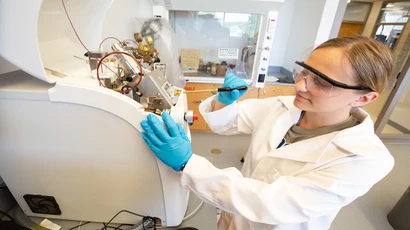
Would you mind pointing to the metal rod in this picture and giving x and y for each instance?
(202, 90)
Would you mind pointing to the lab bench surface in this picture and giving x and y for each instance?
(205, 218)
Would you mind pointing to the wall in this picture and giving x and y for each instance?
(314, 22)
(339, 12)
(305, 24)
(330, 21)
(311, 21)
(281, 37)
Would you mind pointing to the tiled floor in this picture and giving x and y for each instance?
(366, 213)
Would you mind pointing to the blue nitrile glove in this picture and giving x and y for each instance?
(231, 81)
(173, 146)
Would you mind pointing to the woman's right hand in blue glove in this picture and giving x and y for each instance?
(171, 146)
(231, 81)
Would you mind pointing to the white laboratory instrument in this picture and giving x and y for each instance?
(70, 148)
(263, 49)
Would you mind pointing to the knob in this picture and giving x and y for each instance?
(190, 117)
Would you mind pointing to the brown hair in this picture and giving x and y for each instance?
(372, 61)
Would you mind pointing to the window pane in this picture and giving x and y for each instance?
(241, 24)
(396, 12)
(356, 12)
(209, 32)
(388, 34)
(394, 17)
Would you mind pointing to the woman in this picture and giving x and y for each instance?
(310, 155)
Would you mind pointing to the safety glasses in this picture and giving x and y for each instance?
(319, 84)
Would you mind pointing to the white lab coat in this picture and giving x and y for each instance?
(299, 186)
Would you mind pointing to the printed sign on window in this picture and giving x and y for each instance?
(228, 53)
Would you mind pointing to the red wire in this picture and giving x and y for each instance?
(79, 39)
(107, 39)
(139, 64)
(72, 26)
(90, 53)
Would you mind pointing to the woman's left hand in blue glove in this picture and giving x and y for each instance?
(173, 146)
(231, 81)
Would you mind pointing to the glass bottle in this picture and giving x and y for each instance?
(201, 64)
(213, 69)
(208, 69)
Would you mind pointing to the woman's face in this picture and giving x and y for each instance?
(329, 61)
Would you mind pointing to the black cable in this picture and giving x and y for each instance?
(8, 216)
(106, 226)
(121, 212)
(133, 213)
(80, 225)
(117, 227)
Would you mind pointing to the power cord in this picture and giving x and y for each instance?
(190, 214)
(193, 212)
(107, 225)
(111, 227)
(133, 213)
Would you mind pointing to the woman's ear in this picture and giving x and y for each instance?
(365, 99)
